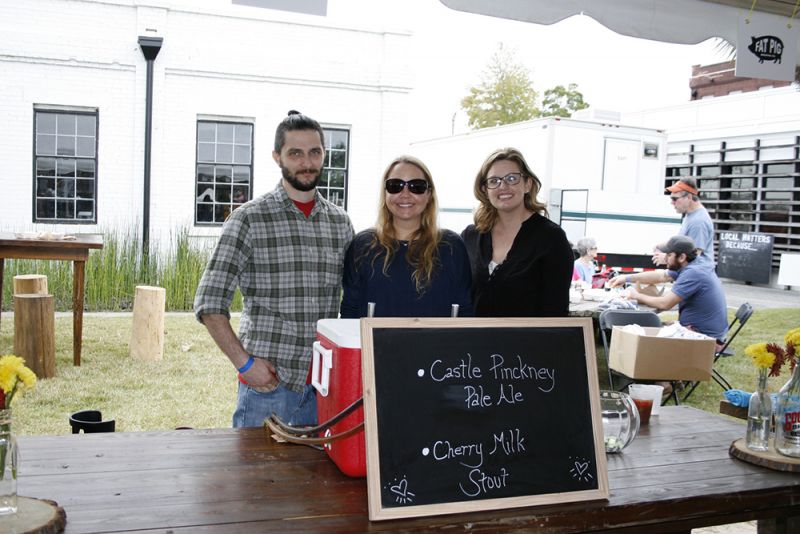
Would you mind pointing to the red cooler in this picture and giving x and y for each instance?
(336, 375)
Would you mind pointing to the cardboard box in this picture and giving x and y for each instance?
(660, 358)
(650, 289)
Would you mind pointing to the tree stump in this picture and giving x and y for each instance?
(147, 334)
(30, 284)
(34, 333)
(35, 516)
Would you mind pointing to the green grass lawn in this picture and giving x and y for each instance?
(195, 385)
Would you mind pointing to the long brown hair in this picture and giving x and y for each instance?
(421, 252)
(486, 214)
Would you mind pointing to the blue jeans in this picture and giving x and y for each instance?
(297, 409)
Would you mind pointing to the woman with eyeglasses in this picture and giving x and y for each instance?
(406, 265)
(521, 261)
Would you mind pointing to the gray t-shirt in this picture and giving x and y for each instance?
(698, 225)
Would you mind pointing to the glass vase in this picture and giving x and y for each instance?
(787, 417)
(759, 416)
(620, 420)
(8, 465)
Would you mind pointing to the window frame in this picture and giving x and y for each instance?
(325, 188)
(75, 111)
(216, 121)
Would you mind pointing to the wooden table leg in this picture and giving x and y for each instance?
(77, 309)
(2, 267)
(779, 525)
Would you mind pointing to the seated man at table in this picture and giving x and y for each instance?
(696, 289)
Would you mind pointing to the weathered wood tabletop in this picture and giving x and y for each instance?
(676, 475)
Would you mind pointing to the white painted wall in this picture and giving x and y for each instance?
(758, 114)
(218, 59)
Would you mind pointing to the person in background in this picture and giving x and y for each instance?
(585, 264)
(696, 289)
(284, 250)
(696, 224)
(521, 261)
(406, 265)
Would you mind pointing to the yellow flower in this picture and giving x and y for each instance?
(27, 376)
(793, 337)
(762, 358)
(14, 378)
(9, 366)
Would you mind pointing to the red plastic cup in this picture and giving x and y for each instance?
(645, 406)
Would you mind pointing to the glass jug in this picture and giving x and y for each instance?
(620, 420)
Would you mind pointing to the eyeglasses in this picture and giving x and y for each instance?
(675, 199)
(512, 178)
(417, 186)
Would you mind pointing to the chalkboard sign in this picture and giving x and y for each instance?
(745, 256)
(475, 414)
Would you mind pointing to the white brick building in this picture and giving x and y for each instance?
(72, 102)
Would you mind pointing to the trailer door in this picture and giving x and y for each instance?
(621, 165)
(572, 211)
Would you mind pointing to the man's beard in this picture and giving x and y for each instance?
(297, 184)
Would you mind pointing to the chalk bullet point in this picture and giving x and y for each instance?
(426, 451)
(421, 373)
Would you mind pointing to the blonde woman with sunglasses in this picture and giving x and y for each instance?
(521, 261)
(406, 265)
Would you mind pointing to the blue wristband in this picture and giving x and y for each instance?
(248, 364)
(628, 278)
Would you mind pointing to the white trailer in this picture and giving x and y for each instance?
(600, 180)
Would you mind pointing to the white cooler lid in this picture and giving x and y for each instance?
(344, 333)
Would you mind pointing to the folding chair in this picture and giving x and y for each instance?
(612, 318)
(737, 323)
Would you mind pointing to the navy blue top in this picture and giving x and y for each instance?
(703, 307)
(394, 293)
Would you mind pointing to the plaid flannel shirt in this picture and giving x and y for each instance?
(289, 270)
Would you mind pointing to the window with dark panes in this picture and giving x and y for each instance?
(224, 171)
(678, 171)
(742, 169)
(333, 182)
(65, 167)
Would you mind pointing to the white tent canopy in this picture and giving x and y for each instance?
(673, 21)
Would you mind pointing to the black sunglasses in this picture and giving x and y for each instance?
(395, 185)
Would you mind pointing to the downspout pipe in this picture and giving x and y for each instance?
(150, 48)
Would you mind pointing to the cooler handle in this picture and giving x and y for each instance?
(321, 363)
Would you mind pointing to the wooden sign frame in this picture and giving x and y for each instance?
(376, 487)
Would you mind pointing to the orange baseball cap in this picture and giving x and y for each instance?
(682, 186)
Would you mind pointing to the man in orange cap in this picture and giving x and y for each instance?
(696, 223)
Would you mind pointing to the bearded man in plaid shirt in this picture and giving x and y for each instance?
(285, 252)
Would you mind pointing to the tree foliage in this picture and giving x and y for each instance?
(562, 102)
(506, 95)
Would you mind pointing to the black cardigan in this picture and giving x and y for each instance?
(534, 279)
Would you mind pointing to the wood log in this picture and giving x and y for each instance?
(147, 334)
(34, 333)
(30, 284)
(770, 458)
(35, 516)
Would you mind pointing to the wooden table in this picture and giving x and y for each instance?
(675, 476)
(76, 250)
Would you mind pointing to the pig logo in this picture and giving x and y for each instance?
(766, 48)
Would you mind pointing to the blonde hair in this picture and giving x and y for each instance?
(423, 243)
(486, 214)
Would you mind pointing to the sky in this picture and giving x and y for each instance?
(450, 49)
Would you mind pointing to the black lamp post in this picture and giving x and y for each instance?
(150, 47)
